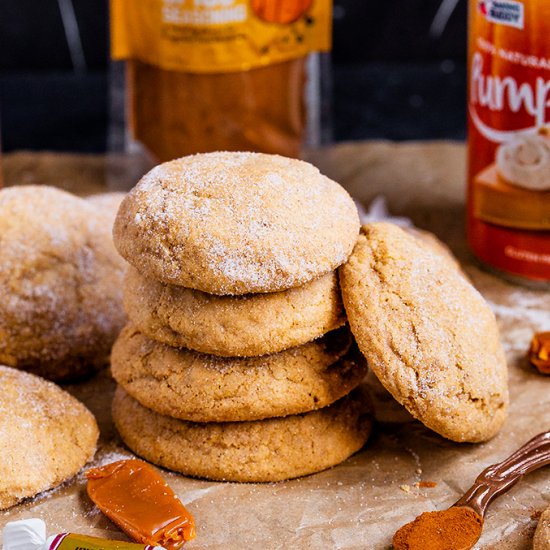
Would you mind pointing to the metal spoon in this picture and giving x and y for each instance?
(490, 484)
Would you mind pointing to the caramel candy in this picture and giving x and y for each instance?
(539, 353)
(134, 496)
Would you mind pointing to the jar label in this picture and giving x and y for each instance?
(509, 135)
(214, 36)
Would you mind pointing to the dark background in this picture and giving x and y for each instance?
(398, 71)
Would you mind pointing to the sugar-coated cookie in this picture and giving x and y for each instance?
(427, 334)
(265, 450)
(236, 223)
(248, 325)
(46, 435)
(204, 388)
(60, 283)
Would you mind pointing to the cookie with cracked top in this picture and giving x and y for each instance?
(194, 386)
(274, 449)
(46, 435)
(60, 283)
(233, 326)
(427, 333)
(236, 223)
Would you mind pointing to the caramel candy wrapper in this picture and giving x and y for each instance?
(30, 534)
(134, 496)
(539, 353)
(71, 541)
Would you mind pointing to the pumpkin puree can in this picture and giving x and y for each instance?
(509, 137)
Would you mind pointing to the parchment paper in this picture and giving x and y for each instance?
(360, 503)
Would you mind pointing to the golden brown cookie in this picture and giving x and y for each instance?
(427, 334)
(60, 283)
(437, 246)
(265, 450)
(231, 326)
(541, 540)
(204, 388)
(236, 223)
(46, 435)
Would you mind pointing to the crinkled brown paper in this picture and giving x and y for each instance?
(360, 503)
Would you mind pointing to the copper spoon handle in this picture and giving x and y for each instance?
(498, 478)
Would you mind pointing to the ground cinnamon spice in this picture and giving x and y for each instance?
(457, 528)
(178, 113)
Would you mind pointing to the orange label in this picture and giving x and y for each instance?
(509, 135)
(209, 36)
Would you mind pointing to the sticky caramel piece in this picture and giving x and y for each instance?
(134, 496)
(539, 353)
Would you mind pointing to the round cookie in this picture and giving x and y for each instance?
(265, 450)
(438, 247)
(46, 435)
(427, 334)
(541, 540)
(233, 326)
(236, 223)
(60, 283)
(204, 388)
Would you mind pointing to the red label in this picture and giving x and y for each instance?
(509, 135)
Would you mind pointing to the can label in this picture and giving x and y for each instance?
(509, 135)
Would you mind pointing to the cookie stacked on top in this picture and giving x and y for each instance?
(237, 363)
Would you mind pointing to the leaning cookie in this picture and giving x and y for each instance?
(427, 334)
(60, 283)
(236, 223)
(204, 388)
(230, 326)
(438, 247)
(46, 436)
(274, 449)
(541, 540)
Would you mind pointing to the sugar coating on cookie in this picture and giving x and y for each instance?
(60, 283)
(236, 223)
(274, 449)
(426, 333)
(247, 325)
(204, 388)
(46, 435)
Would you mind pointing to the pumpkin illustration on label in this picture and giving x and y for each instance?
(280, 11)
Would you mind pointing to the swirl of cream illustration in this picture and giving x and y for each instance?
(525, 161)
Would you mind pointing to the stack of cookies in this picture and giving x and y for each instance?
(237, 363)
